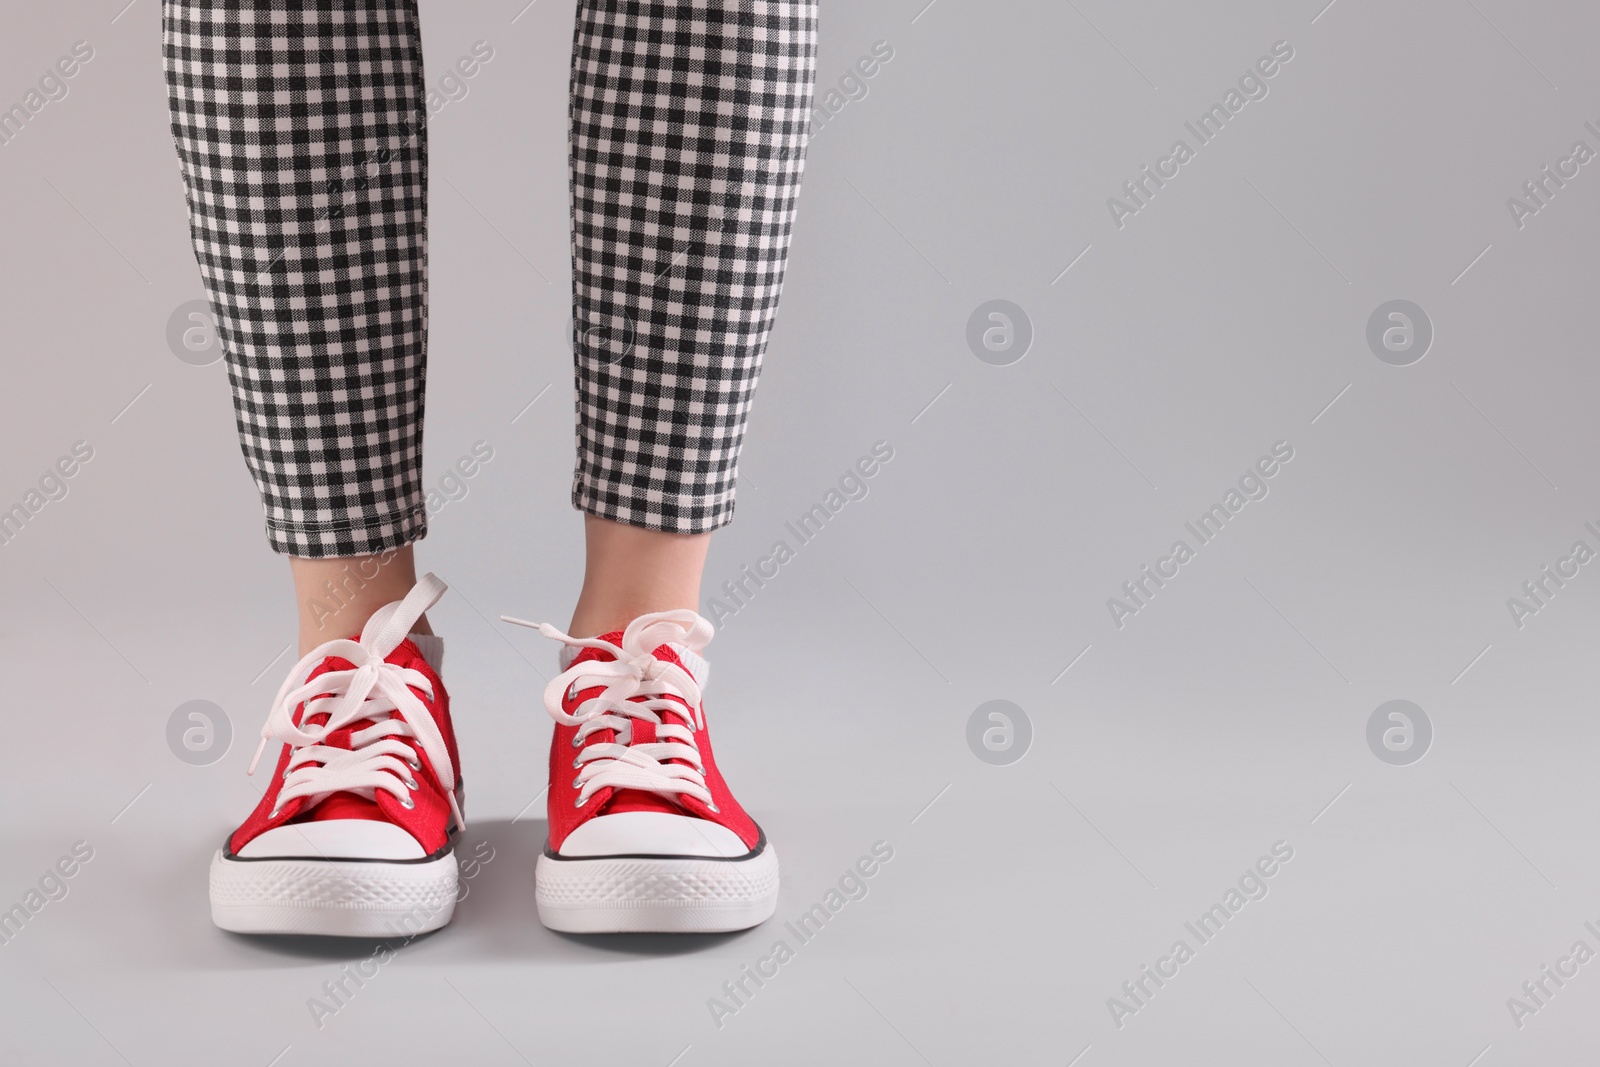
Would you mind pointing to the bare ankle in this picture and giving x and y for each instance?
(631, 571)
(335, 596)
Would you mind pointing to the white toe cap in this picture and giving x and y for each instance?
(335, 839)
(652, 833)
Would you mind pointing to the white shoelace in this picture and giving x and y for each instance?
(635, 672)
(375, 689)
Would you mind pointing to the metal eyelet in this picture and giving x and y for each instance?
(580, 803)
(577, 764)
(714, 809)
(411, 783)
(414, 763)
(408, 803)
(575, 742)
(576, 784)
(275, 813)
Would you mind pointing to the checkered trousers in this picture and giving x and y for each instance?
(689, 123)
(301, 134)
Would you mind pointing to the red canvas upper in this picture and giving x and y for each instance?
(428, 821)
(566, 816)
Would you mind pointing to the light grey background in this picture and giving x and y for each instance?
(1229, 714)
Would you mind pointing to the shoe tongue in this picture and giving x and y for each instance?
(571, 654)
(638, 800)
(345, 806)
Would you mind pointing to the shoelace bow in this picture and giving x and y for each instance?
(375, 690)
(636, 688)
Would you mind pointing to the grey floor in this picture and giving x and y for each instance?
(1151, 367)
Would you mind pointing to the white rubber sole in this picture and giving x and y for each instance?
(366, 898)
(641, 894)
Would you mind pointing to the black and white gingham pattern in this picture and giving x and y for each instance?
(300, 137)
(689, 121)
(300, 134)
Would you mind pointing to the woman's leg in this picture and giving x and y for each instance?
(337, 595)
(630, 571)
(301, 139)
(299, 128)
(689, 123)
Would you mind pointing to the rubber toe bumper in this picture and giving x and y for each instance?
(348, 898)
(674, 894)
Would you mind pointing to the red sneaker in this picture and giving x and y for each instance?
(354, 835)
(644, 834)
